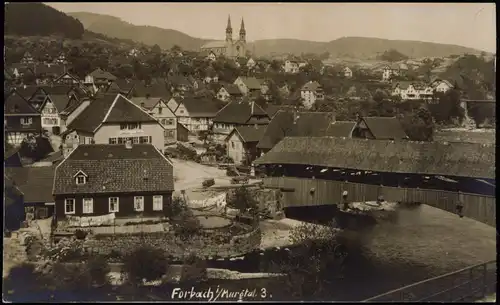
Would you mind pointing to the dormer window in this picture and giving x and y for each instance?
(80, 177)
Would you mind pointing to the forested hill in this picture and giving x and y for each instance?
(38, 19)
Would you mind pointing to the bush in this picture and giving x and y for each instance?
(311, 265)
(176, 208)
(81, 234)
(187, 226)
(194, 270)
(98, 269)
(144, 263)
(244, 201)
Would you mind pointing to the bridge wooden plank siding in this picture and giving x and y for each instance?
(478, 207)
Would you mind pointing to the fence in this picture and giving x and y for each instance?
(311, 192)
(466, 285)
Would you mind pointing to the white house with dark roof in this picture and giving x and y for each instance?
(51, 110)
(196, 114)
(236, 114)
(105, 180)
(248, 85)
(113, 119)
(241, 143)
(157, 107)
(310, 93)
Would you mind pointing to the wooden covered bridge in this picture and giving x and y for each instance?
(314, 171)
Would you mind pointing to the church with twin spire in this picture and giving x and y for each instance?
(229, 47)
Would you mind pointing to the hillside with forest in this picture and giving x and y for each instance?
(38, 19)
(150, 35)
(353, 47)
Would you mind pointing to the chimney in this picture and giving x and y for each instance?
(128, 144)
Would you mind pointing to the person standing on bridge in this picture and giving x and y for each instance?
(344, 199)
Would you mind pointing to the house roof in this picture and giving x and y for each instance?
(252, 83)
(200, 107)
(457, 159)
(99, 73)
(40, 69)
(214, 44)
(385, 128)
(306, 124)
(68, 74)
(178, 80)
(59, 101)
(27, 92)
(239, 112)
(34, 182)
(124, 84)
(72, 105)
(14, 103)
(57, 89)
(149, 103)
(311, 86)
(109, 109)
(115, 169)
(250, 133)
(340, 129)
(157, 90)
(232, 89)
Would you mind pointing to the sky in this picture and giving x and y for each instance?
(466, 24)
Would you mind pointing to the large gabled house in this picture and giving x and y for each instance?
(127, 180)
(113, 119)
(35, 185)
(74, 108)
(157, 107)
(21, 120)
(235, 114)
(51, 109)
(292, 123)
(47, 73)
(196, 114)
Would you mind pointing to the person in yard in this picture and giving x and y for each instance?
(344, 198)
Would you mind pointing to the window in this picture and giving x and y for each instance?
(138, 203)
(157, 203)
(130, 126)
(113, 204)
(69, 206)
(81, 179)
(145, 140)
(26, 121)
(159, 110)
(88, 205)
(232, 144)
(163, 121)
(113, 140)
(135, 140)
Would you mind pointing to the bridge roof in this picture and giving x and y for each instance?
(431, 158)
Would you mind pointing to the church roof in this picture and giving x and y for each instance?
(214, 44)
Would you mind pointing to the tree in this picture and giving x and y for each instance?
(392, 56)
(244, 201)
(448, 107)
(156, 49)
(418, 126)
(316, 261)
(176, 49)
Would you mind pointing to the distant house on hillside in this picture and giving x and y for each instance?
(310, 93)
(390, 70)
(67, 79)
(99, 79)
(228, 91)
(291, 66)
(248, 85)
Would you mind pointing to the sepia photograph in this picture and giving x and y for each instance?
(249, 152)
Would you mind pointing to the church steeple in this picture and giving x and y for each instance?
(243, 33)
(229, 29)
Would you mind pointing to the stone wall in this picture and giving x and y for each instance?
(205, 246)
